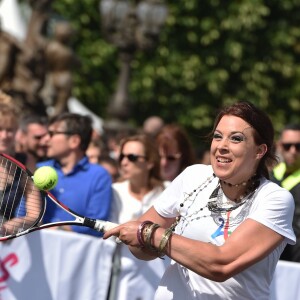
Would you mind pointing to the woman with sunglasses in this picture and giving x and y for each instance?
(231, 223)
(134, 193)
(176, 151)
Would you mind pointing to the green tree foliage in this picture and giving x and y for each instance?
(211, 53)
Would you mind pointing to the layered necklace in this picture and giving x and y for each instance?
(216, 207)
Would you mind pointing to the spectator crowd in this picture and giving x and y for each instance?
(119, 177)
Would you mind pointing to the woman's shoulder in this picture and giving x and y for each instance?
(274, 191)
(270, 186)
(193, 176)
(199, 166)
(120, 185)
(198, 170)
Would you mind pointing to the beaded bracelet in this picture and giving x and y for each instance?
(140, 233)
(165, 239)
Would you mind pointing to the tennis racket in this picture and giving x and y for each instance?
(23, 205)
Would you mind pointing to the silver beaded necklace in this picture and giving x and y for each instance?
(245, 204)
(215, 207)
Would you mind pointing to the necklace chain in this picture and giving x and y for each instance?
(252, 182)
(214, 206)
(244, 183)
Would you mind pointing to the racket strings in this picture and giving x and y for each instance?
(21, 202)
(11, 175)
(5, 186)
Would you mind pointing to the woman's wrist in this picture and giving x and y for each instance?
(154, 238)
(161, 240)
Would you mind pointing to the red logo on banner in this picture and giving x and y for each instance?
(10, 260)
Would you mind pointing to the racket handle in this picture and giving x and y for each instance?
(104, 226)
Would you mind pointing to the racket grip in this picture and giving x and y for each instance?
(104, 226)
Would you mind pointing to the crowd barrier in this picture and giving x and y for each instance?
(55, 265)
(286, 281)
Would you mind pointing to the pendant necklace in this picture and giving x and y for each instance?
(215, 207)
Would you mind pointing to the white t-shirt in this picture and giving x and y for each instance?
(137, 280)
(125, 207)
(270, 205)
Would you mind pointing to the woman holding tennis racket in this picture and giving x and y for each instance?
(224, 226)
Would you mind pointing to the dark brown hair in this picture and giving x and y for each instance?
(263, 130)
(76, 124)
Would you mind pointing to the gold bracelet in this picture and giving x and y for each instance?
(145, 232)
(140, 233)
(148, 232)
(149, 236)
(165, 239)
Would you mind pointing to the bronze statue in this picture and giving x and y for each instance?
(9, 48)
(60, 60)
(29, 70)
(37, 72)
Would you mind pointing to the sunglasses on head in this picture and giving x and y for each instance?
(130, 157)
(287, 146)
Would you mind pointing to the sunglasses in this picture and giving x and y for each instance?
(287, 146)
(131, 157)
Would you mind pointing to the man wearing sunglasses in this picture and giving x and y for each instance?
(287, 174)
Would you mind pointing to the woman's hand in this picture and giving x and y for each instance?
(127, 233)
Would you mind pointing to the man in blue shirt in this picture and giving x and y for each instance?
(82, 186)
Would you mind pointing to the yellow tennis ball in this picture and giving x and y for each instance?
(45, 178)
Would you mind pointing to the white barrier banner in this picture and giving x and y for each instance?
(285, 284)
(55, 265)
